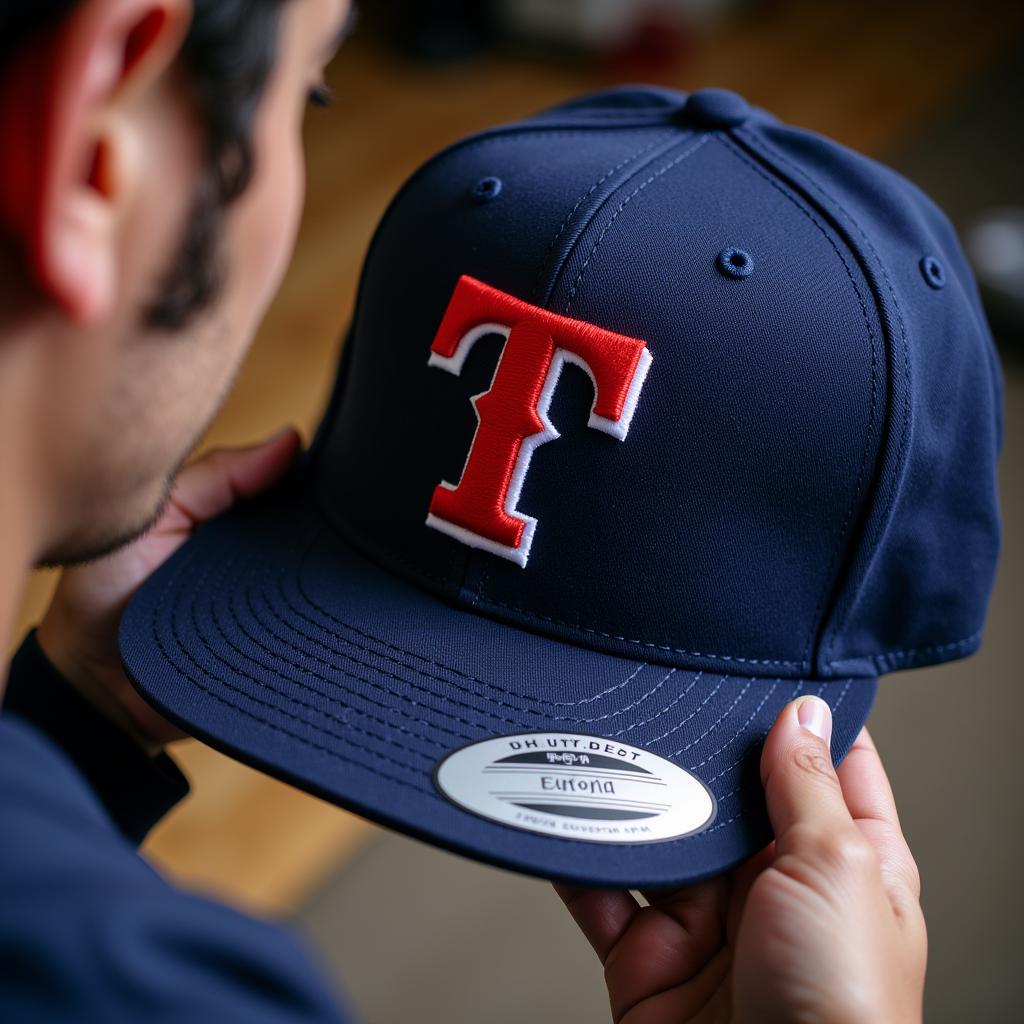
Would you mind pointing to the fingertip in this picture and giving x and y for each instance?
(287, 438)
(602, 915)
(796, 767)
(788, 729)
(864, 741)
(251, 470)
(268, 461)
(807, 714)
(815, 716)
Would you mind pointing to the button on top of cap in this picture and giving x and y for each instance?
(714, 108)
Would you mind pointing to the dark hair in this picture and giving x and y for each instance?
(227, 56)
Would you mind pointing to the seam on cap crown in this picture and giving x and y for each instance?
(831, 208)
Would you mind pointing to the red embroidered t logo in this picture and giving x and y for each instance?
(481, 510)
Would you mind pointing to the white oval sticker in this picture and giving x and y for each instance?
(576, 787)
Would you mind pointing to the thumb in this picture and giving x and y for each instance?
(213, 483)
(801, 786)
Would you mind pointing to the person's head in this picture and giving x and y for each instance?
(150, 188)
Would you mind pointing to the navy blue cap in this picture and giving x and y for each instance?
(728, 444)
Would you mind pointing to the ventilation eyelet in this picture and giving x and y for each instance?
(486, 189)
(932, 272)
(735, 262)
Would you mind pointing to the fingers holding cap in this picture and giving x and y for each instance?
(869, 797)
(213, 483)
(837, 821)
(801, 785)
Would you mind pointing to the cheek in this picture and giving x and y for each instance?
(263, 225)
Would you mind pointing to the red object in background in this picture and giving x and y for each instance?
(656, 43)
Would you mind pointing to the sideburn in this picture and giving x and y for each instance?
(197, 273)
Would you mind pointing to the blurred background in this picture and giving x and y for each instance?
(933, 88)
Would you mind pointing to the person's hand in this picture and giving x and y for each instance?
(824, 925)
(79, 630)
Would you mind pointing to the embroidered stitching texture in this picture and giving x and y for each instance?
(173, 663)
(739, 732)
(447, 682)
(826, 588)
(256, 718)
(249, 660)
(733, 792)
(764, 735)
(842, 696)
(910, 655)
(765, 148)
(363, 544)
(320, 642)
(675, 728)
(333, 618)
(647, 743)
(298, 702)
(511, 133)
(293, 609)
(616, 366)
(724, 716)
(718, 721)
(364, 679)
(557, 718)
(450, 668)
(657, 174)
(474, 561)
(391, 675)
(535, 291)
(668, 707)
(351, 675)
(934, 648)
(644, 643)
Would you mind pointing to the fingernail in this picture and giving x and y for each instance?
(816, 717)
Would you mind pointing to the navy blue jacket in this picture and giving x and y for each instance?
(88, 930)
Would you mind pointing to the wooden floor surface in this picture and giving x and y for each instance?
(868, 74)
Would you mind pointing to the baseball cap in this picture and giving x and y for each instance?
(654, 414)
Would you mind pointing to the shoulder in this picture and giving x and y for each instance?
(89, 931)
(43, 797)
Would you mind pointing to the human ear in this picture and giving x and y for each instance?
(68, 168)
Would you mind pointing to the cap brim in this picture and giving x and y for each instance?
(271, 638)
